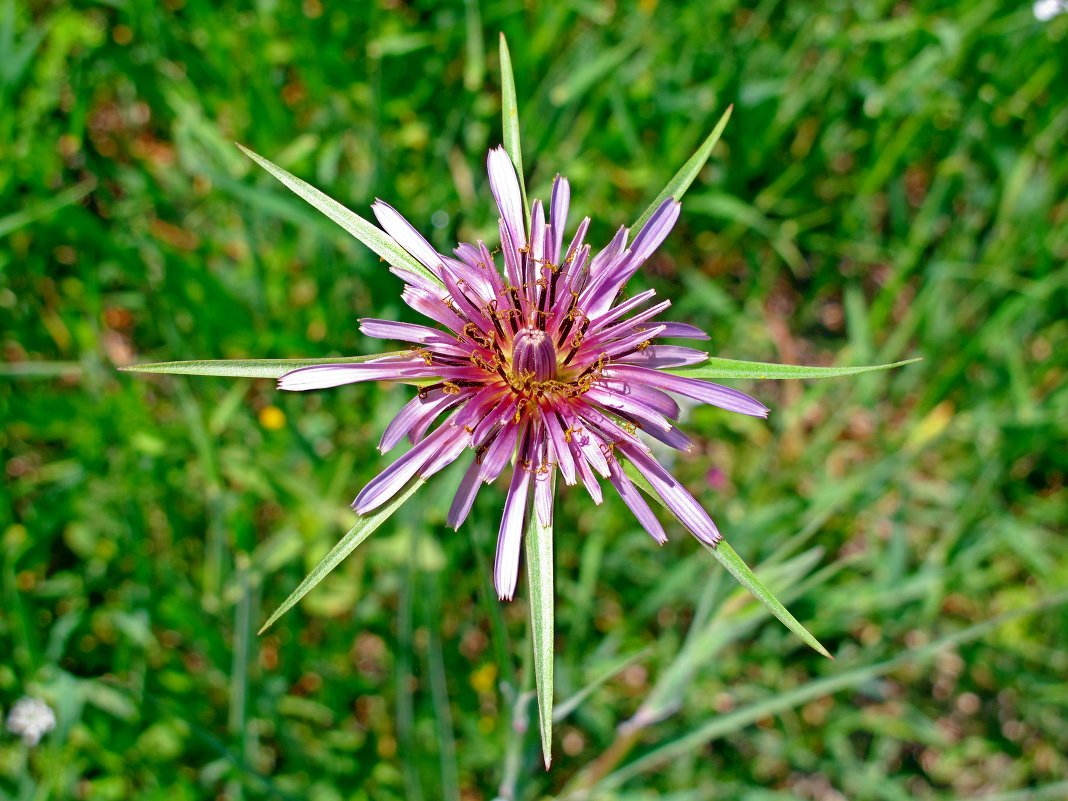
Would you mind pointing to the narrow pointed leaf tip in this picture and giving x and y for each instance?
(510, 121)
(369, 234)
(737, 567)
(355, 536)
(715, 367)
(250, 368)
(681, 181)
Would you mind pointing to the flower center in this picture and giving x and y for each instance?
(533, 354)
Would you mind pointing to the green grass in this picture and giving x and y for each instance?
(891, 184)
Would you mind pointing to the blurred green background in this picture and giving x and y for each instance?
(893, 183)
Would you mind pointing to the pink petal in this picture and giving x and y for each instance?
(509, 538)
(559, 202)
(678, 500)
(452, 444)
(500, 450)
(681, 331)
(633, 499)
(465, 495)
(390, 481)
(505, 187)
(560, 450)
(659, 356)
(704, 391)
(422, 407)
(325, 376)
(402, 332)
(405, 234)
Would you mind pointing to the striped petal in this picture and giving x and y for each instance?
(390, 481)
(510, 535)
(704, 391)
(405, 235)
(326, 376)
(634, 500)
(678, 500)
(465, 495)
(505, 187)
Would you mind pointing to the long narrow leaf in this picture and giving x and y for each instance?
(510, 121)
(246, 368)
(727, 557)
(356, 535)
(565, 708)
(371, 235)
(716, 367)
(678, 185)
(539, 553)
(46, 208)
(747, 715)
(41, 370)
(737, 567)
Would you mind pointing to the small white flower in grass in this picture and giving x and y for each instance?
(31, 719)
(1045, 10)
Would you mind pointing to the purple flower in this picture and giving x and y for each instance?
(535, 365)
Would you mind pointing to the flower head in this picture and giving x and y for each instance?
(536, 363)
(31, 719)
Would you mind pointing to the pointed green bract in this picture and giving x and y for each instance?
(735, 565)
(510, 122)
(678, 185)
(356, 535)
(250, 368)
(727, 557)
(716, 367)
(371, 235)
(539, 555)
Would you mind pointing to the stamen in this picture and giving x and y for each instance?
(426, 355)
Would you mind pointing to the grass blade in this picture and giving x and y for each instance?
(565, 708)
(539, 553)
(727, 557)
(371, 235)
(45, 208)
(747, 715)
(41, 370)
(356, 535)
(246, 368)
(475, 57)
(678, 185)
(716, 367)
(510, 121)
